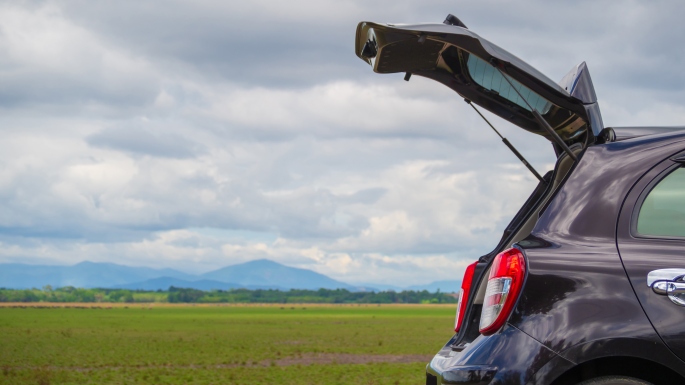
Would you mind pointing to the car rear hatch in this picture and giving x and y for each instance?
(485, 74)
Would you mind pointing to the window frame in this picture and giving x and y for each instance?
(643, 196)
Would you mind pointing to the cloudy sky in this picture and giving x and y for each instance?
(195, 135)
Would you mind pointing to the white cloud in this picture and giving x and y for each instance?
(334, 109)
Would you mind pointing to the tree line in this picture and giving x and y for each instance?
(182, 295)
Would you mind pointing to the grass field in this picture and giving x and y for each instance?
(303, 344)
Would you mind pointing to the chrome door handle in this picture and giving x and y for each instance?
(668, 288)
(668, 282)
(675, 288)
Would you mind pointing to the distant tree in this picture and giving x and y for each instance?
(184, 295)
(181, 295)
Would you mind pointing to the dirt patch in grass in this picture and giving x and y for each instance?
(343, 358)
(303, 359)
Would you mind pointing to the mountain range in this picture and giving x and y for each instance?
(258, 274)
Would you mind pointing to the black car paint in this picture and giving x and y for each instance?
(492, 355)
(577, 304)
(642, 254)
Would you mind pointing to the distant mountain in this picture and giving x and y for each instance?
(163, 283)
(264, 272)
(84, 274)
(451, 286)
(259, 274)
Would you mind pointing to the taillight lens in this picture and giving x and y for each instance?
(504, 286)
(464, 295)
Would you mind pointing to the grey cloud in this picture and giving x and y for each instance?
(48, 61)
(39, 90)
(366, 196)
(264, 43)
(142, 140)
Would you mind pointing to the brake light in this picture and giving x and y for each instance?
(464, 295)
(504, 286)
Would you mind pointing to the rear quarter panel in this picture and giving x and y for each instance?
(577, 300)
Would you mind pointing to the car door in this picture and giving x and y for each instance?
(651, 242)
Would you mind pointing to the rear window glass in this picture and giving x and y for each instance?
(663, 211)
(486, 76)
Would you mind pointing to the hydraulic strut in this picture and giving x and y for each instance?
(507, 143)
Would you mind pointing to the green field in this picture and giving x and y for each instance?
(293, 344)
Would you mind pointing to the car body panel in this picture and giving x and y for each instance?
(642, 255)
(446, 53)
(487, 360)
(572, 294)
(625, 133)
(585, 210)
(597, 356)
(577, 300)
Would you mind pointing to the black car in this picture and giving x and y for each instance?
(586, 285)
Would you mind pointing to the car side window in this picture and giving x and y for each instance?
(663, 211)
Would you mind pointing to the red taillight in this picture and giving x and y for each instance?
(464, 295)
(504, 286)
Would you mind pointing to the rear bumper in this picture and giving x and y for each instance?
(507, 357)
(477, 375)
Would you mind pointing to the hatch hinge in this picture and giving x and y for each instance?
(557, 139)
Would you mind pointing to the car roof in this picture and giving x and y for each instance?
(625, 133)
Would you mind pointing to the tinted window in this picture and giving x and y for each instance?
(487, 76)
(663, 212)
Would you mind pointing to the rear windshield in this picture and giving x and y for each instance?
(486, 76)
